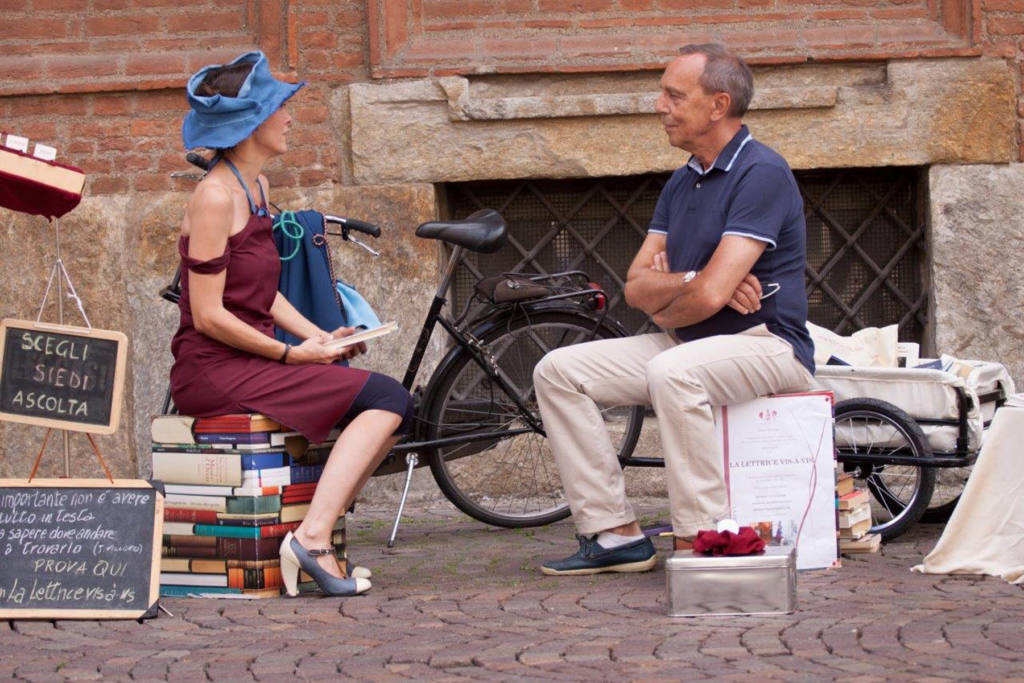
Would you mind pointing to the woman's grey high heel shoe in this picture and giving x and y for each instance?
(295, 557)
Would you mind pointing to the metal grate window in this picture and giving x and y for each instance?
(865, 240)
(866, 259)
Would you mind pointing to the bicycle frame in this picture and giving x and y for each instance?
(461, 333)
(464, 338)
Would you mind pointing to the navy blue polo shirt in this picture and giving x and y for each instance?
(748, 191)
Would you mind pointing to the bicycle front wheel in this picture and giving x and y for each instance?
(867, 428)
(508, 477)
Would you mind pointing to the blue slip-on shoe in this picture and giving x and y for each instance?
(591, 558)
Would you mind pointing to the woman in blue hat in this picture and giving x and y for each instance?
(226, 359)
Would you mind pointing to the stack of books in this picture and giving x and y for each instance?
(233, 490)
(854, 517)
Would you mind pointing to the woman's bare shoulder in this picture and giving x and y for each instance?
(211, 204)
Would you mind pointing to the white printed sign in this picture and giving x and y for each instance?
(780, 471)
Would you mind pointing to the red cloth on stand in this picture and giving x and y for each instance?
(27, 195)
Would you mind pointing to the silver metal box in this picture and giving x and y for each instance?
(750, 584)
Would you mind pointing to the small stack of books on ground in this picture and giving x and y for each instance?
(233, 490)
(854, 517)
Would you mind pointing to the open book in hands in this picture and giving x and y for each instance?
(385, 328)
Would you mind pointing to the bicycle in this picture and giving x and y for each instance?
(476, 423)
(478, 428)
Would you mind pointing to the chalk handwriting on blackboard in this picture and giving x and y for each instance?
(78, 548)
(61, 376)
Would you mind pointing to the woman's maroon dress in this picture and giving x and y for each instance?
(210, 378)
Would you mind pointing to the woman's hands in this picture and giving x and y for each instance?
(315, 350)
(352, 350)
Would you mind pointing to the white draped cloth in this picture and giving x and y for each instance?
(985, 534)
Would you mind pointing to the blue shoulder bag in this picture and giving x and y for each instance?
(307, 277)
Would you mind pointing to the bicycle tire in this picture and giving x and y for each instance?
(952, 479)
(509, 482)
(901, 493)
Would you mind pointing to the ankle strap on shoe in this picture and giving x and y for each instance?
(316, 552)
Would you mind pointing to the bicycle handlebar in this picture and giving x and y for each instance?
(199, 160)
(354, 224)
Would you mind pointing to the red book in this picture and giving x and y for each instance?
(178, 540)
(187, 515)
(248, 548)
(278, 530)
(194, 552)
(309, 486)
(236, 423)
(296, 498)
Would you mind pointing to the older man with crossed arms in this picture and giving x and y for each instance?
(722, 271)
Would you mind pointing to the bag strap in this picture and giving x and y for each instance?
(320, 240)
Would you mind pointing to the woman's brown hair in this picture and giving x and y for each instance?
(225, 81)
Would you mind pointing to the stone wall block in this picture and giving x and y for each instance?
(829, 116)
(971, 122)
(977, 244)
(92, 250)
(151, 241)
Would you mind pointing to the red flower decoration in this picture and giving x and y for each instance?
(745, 542)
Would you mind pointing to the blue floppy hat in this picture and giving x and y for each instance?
(219, 121)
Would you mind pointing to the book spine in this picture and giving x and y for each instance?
(239, 422)
(188, 551)
(233, 437)
(198, 468)
(175, 429)
(173, 488)
(170, 591)
(187, 540)
(256, 490)
(253, 564)
(254, 504)
(210, 566)
(296, 499)
(266, 521)
(249, 548)
(282, 438)
(190, 579)
(269, 577)
(301, 474)
(216, 504)
(309, 486)
(261, 461)
(179, 529)
(277, 530)
(227, 531)
(187, 515)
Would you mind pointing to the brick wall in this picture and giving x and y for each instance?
(101, 79)
(1001, 32)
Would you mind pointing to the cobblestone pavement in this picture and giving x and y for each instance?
(456, 599)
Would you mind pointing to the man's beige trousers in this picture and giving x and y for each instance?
(681, 381)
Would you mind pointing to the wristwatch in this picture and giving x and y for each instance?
(689, 276)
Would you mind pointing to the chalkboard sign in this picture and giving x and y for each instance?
(61, 376)
(79, 549)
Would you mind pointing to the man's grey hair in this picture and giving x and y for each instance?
(724, 72)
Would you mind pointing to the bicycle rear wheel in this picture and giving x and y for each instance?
(870, 427)
(510, 480)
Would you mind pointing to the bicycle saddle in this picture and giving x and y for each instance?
(482, 231)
